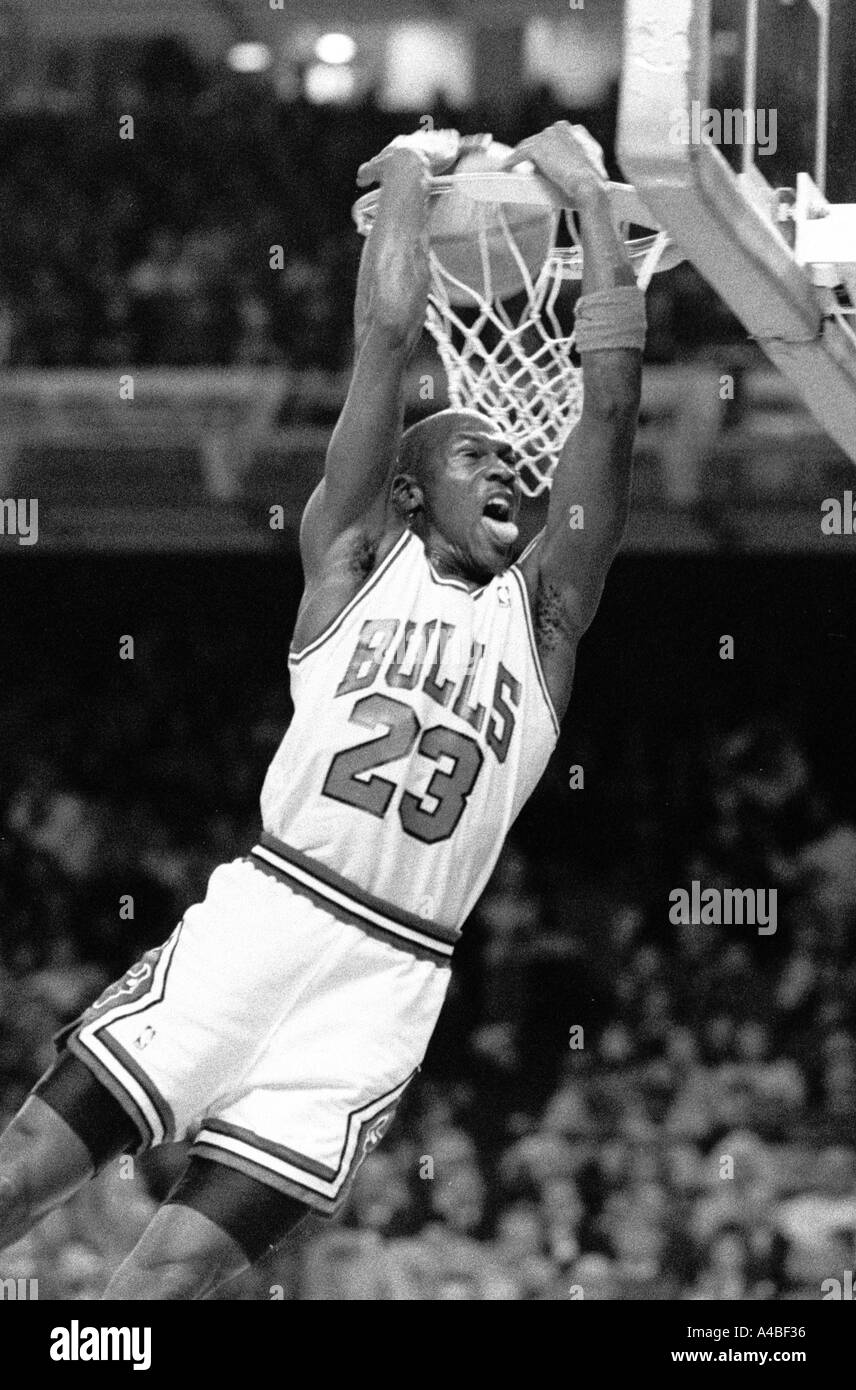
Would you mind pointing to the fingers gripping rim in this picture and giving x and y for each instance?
(512, 187)
(498, 188)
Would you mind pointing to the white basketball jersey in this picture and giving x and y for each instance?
(422, 724)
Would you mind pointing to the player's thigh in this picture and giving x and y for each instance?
(42, 1160)
(182, 1254)
(255, 1216)
(67, 1129)
(42, 1143)
(75, 1097)
(215, 1223)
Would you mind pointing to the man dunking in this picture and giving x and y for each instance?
(279, 1025)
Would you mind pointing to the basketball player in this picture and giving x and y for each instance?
(279, 1025)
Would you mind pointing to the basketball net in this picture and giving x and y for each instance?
(517, 368)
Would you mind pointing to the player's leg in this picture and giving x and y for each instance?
(42, 1163)
(215, 1224)
(66, 1130)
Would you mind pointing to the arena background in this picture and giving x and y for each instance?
(523, 1165)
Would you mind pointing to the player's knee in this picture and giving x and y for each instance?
(14, 1203)
(10, 1192)
(20, 1139)
(42, 1162)
(182, 1255)
(169, 1278)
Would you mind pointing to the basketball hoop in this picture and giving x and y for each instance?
(509, 355)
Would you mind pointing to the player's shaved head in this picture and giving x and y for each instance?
(425, 443)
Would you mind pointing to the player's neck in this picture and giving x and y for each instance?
(448, 563)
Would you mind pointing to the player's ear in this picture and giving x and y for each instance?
(407, 497)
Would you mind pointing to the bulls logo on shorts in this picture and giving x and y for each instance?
(134, 983)
(375, 1132)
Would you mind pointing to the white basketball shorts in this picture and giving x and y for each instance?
(270, 1031)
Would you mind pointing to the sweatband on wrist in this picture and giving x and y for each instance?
(613, 318)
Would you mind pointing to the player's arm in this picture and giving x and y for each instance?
(392, 289)
(566, 570)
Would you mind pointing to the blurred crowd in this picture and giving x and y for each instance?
(157, 249)
(613, 1106)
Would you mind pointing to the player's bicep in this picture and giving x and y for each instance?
(364, 445)
(312, 529)
(587, 515)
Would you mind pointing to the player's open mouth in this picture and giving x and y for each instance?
(497, 518)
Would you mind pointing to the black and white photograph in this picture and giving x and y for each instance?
(427, 663)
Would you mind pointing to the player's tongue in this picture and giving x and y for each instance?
(503, 532)
(496, 518)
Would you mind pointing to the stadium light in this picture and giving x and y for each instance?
(326, 85)
(249, 57)
(335, 49)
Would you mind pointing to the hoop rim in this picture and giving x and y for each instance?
(511, 187)
(638, 248)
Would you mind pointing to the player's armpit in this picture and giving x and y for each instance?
(556, 626)
(325, 544)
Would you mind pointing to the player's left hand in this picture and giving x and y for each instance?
(568, 157)
(437, 149)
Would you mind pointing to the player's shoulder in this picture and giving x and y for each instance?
(325, 543)
(339, 572)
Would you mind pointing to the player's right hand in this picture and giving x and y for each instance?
(568, 156)
(437, 150)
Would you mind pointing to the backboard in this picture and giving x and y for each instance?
(713, 121)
